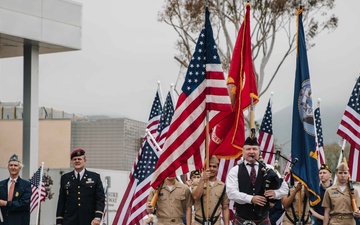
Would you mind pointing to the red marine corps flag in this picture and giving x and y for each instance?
(228, 136)
(203, 89)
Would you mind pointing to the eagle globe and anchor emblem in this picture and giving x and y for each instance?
(305, 108)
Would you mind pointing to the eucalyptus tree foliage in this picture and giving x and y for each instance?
(271, 20)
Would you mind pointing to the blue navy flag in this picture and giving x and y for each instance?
(303, 144)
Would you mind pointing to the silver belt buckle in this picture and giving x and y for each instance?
(299, 223)
(248, 222)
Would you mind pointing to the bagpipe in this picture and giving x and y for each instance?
(272, 180)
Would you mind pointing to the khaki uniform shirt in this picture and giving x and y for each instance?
(215, 194)
(295, 205)
(340, 205)
(171, 204)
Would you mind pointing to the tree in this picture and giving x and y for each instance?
(332, 154)
(270, 18)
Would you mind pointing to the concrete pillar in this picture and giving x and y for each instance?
(31, 109)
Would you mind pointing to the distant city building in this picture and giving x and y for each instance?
(110, 143)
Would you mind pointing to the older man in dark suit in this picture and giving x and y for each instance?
(81, 197)
(15, 194)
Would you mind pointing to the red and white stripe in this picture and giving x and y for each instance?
(184, 148)
(354, 158)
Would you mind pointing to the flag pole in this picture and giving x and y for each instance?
(1, 217)
(207, 166)
(157, 191)
(39, 193)
(153, 139)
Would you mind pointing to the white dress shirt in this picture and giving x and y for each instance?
(232, 186)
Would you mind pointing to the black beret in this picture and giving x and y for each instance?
(251, 141)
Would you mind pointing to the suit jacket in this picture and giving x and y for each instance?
(16, 211)
(80, 202)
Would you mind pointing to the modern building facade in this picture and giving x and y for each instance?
(109, 143)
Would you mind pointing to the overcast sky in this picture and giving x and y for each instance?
(125, 51)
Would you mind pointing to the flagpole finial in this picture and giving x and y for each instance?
(318, 101)
(171, 86)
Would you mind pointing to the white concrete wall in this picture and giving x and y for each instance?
(55, 22)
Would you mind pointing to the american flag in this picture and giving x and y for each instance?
(132, 206)
(266, 138)
(165, 120)
(349, 128)
(204, 89)
(354, 158)
(35, 181)
(319, 137)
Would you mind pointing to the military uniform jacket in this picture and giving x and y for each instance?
(80, 202)
(293, 209)
(172, 204)
(340, 204)
(17, 211)
(215, 192)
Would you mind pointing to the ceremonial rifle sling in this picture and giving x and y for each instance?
(213, 218)
(303, 213)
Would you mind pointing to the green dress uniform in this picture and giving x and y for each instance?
(171, 204)
(293, 209)
(80, 201)
(340, 205)
(216, 195)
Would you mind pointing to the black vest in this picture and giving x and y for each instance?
(250, 211)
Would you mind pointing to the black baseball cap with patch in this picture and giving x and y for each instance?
(194, 172)
(324, 167)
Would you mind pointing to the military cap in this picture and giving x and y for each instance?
(324, 167)
(251, 141)
(15, 158)
(342, 167)
(214, 160)
(195, 173)
(77, 152)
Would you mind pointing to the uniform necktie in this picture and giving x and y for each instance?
(78, 177)
(252, 173)
(11, 190)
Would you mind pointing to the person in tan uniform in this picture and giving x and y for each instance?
(174, 199)
(337, 203)
(218, 201)
(296, 211)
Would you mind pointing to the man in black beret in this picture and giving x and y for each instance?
(15, 194)
(81, 197)
(246, 185)
(325, 176)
